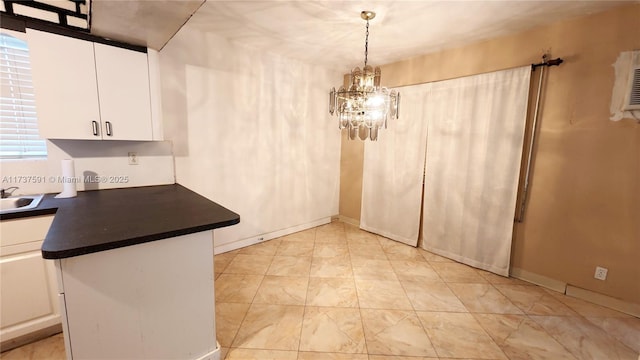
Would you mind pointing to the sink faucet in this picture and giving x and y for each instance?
(5, 193)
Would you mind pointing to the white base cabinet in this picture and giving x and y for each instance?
(29, 300)
(148, 301)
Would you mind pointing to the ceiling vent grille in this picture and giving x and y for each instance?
(633, 97)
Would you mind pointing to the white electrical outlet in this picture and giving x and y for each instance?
(133, 158)
(601, 273)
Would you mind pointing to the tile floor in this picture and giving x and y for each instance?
(336, 292)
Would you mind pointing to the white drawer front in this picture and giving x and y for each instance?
(25, 230)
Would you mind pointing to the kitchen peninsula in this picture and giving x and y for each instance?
(135, 271)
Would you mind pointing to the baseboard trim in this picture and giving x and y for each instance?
(213, 355)
(626, 307)
(30, 337)
(549, 283)
(349, 220)
(604, 300)
(234, 245)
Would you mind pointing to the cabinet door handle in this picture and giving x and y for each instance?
(107, 124)
(94, 124)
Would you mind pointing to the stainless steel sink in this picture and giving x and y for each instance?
(19, 203)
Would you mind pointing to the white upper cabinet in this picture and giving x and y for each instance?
(123, 89)
(89, 91)
(64, 80)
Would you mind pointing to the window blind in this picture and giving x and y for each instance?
(19, 136)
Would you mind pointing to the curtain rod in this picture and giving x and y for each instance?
(534, 127)
(545, 62)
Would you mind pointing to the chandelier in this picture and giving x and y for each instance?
(364, 106)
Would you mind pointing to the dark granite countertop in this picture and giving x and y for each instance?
(108, 219)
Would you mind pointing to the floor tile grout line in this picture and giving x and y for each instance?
(355, 286)
(558, 340)
(306, 294)
(551, 335)
(446, 283)
(250, 304)
(486, 332)
(435, 349)
(252, 299)
(304, 313)
(237, 331)
(415, 312)
(226, 265)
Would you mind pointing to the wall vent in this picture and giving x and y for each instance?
(633, 96)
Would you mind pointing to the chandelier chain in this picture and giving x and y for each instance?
(366, 45)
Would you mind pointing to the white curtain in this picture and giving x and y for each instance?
(393, 172)
(476, 129)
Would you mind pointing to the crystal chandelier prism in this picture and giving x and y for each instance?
(364, 107)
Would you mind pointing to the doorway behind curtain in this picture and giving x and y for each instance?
(475, 128)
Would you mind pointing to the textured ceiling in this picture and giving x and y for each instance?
(331, 33)
(148, 23)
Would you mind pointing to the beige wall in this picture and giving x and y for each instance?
(584, 205)
(351, 166)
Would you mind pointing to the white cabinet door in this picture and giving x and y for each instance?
(25, 292)
(27, 281)
(64, 80)
(89, 91)
(123, 88)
